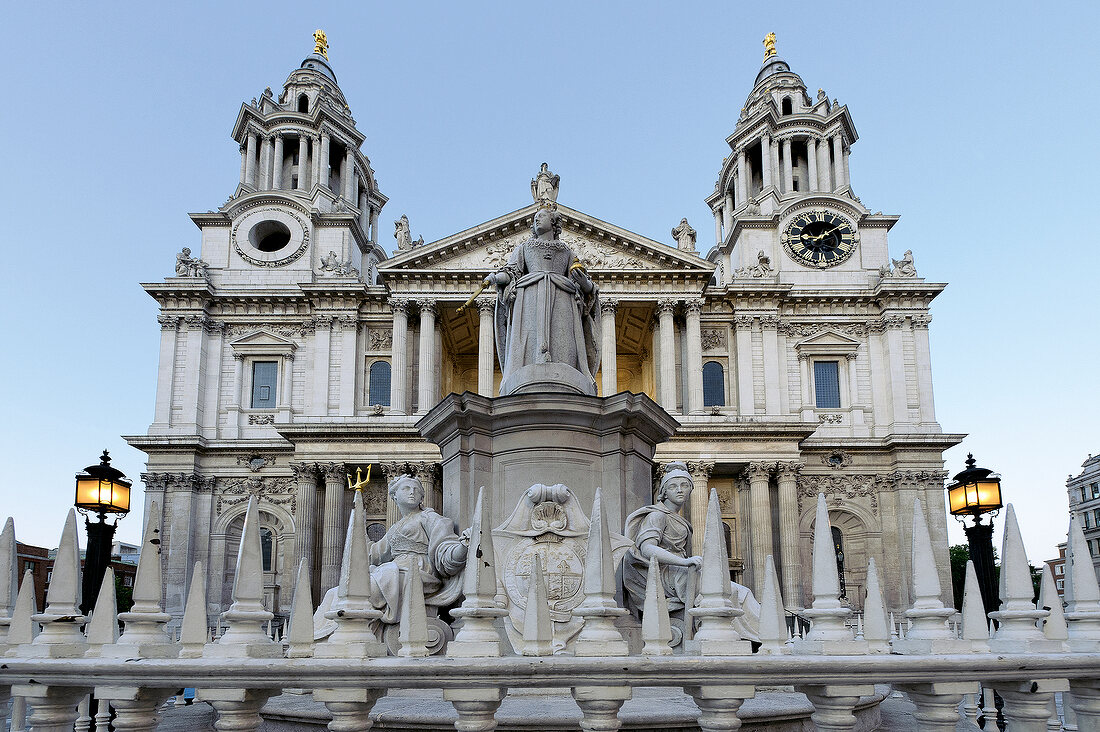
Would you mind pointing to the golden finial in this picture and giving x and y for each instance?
(769, 46)
(359, 484)
(321, 45)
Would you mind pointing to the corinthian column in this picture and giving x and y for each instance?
(700, 495)
(305, 476)
(766, 161)
(838, 162)
(277, 163)
(303, 155)
(250, 166)
(787, 479)
(332, 539)
(608, 355)
(486, 337)
(398, 355)
(323, 158)
(665, 309)
(742, 178)
(426, 371)
(788, 166)
(694, 335)
(758, 474)
(811, 163)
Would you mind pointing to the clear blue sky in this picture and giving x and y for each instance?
(977, 125)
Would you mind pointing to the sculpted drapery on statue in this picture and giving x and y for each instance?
(547, 317)
(659, 531)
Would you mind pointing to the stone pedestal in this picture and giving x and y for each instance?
(509, 443)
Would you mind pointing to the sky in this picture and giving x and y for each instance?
(976, 123)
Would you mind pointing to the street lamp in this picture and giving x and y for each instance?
(100, 489)
(976, 492)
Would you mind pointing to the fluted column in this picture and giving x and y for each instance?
(769, 341)
(665, 309)
(486, 338)
(727, 212)
(323, 158)
(742, 178)
(392, 471)
(694, 335)
(349, 174)
(398, 355)
(277, 163)
(428, 475)
(305, 517)
(244, 164)
(349, 363)
(608, 348)
(700, 496)
(746, 400)
(923, 357)
(303, 156)
(426, 396)
(364, 213)
(788, 166)
(718, 214)
(759, 474)
(267, 161)
(766, 160)
(373, 227)
(838, 162)
(332, 539)
(250, 165)
(811, 162)
(787, 480)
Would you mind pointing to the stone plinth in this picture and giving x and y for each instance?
(510, 443)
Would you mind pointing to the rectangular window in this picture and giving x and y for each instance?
(264, 378)
(28, 566)
(1085, 519)
(1096, 517)
(1061, 584)
(827, 384)
(1096, 490)
(1084, 496)
(1060, 570)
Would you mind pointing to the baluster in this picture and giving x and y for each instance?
(102, 714)
(938, 703)
(718, 705)
(970, 707)
(1084, 702)
(238, 709)
(476, 708)
(600, 706)
(135, 708)
(834, 704)
(1054, 722)
(83, 719)
(1027, 704)
(350, 708)
(19, 714)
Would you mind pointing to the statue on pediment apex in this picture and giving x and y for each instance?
(684, 236)
(402, 233)
(544, 186)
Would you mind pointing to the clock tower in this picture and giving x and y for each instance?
(783, 203)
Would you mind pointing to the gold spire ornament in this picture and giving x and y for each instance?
(321, 45)
(769, 46)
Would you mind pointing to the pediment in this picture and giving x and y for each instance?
(600, 245)
(828, 341)
(262, 342)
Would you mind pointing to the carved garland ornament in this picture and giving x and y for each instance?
(714, 340)
(237, 490)
(837, 488)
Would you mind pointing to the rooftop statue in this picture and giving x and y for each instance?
(402, 233)
(659, 531)
(544, 186)
(684, 236)
(547, 315)
(769, 45)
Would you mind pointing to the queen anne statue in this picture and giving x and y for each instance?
(547, 315)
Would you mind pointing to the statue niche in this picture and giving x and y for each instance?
(547, 315)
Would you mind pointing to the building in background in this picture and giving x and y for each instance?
(39, 560)
(295, 352)
(1058, 570)
(1084, 503)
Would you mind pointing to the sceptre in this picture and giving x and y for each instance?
(468, 303)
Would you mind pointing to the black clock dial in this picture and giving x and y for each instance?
(819, 239)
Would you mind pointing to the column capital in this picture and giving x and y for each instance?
(788, 469)
(486, 305)
(666, 305)
(427, 306)
(769, 321)
(700, 468)
(608, 306)
(693, 306)
(759, 469)
(394, 469)
(399, 304)
(334, 472)
(305, 471)
(742, 321)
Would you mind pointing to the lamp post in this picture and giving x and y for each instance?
(100, 489)
(976, 492)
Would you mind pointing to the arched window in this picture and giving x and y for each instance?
(378, 391)
(303, 103)
(267, 549)
(714, 385)
(788, 107)
(838, 545)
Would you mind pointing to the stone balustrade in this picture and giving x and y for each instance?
(50, 661)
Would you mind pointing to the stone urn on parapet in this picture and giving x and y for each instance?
(548, 424)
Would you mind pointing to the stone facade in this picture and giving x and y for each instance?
(295, 354)
(1084, 503)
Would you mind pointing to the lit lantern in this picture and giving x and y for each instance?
(103, 489)
(976, 491)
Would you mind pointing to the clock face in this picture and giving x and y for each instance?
(820, 239)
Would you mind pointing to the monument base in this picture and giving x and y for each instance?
(510, 443)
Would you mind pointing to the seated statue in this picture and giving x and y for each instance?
(659, 531)
(421, 536)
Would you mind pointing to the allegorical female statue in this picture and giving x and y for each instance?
(660, 531)
(420, 536)
(547, 315)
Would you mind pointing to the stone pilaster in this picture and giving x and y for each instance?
(746, 400)
(769, 333)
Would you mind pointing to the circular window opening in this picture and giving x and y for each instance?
(269, 236)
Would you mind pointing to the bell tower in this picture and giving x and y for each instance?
(307, 200)
(783, 202)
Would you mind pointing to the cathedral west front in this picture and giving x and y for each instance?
(787, 347)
